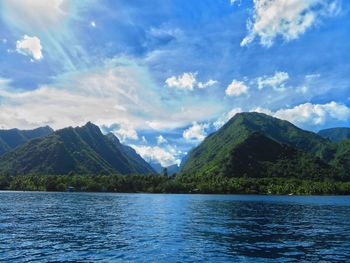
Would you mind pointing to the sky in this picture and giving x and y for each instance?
(163, 74)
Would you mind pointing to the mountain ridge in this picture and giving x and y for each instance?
(79, 150)
(336, 134)
(225, 152)
(11, 138)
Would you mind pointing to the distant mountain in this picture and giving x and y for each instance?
(335, 134)
(83, 150)
(172, 169)
(258, 145)
(10, 139)
(160, 169)
(157, 167)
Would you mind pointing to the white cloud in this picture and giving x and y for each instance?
(226, 117)
(207, 84)
(196, 132)
(114, 94)
(236, 88)
(188, 81)
(117, 92)
(276, 82)
(165, 156)
(316, 114)
(305, 115)
(312, 76)
(161, 140)
(93, 23)
(309, 114)
(288, 19)
(125, 131)
(30, 46)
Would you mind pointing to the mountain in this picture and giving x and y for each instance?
(157, 167)
(160, 169)
(335, 134)
(10, 139)
(258, 145)
(82, 150)
(173, 169)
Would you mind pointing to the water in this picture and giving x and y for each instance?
(172, 228)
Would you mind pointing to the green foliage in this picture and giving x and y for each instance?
(83, 150)
(336, 134)
(93, 183)
(161, 184)
(10, 139)
(257, 145)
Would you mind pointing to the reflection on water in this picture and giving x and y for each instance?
(173, 228)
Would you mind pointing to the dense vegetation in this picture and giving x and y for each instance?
(165, 184)
(335, 134)
(10, 139)
(82, 150)
(256, 145)
(251, 154)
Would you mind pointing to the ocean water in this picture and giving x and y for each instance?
(90, 227)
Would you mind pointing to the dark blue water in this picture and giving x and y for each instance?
(173, 228)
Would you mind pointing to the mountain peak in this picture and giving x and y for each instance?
(91, 126)
(215, 149)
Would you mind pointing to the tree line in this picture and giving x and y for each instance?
(172, 184)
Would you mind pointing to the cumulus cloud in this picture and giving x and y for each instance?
(196, 132)
(309, 114)
(276, 82)
(188, 81)
(165, 156)
(288, 19)
(236, 88)
(317, 114)
(30, 46)
(125, 131)
(161, 140)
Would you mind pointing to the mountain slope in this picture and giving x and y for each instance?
(83, 150)
(342, 157)
(256, 145)
(10, 139)
(335, 134)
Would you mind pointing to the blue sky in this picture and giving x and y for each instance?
(163, 74)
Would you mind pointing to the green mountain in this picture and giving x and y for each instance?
(82, 150)
(10, 139)
(258, 145)
(335, 134)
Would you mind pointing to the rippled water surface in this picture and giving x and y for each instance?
(173, 228)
